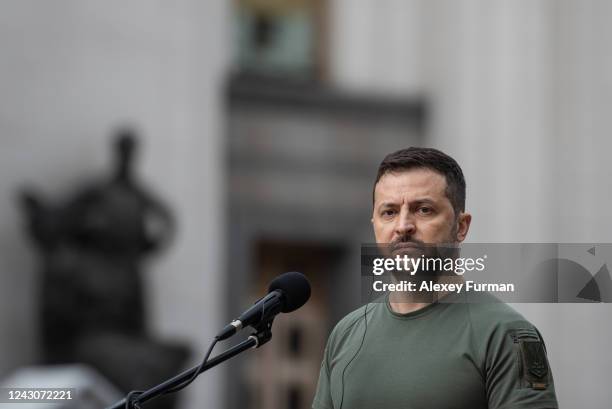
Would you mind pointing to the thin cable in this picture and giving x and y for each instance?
(197, 371)
(130, 399)
(356, 353)
(365, 330)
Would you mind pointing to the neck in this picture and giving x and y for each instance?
(405, 307)
(404, 302)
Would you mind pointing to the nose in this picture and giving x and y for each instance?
(405, 226)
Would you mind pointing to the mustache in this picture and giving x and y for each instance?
(443, 250)
(404, 241)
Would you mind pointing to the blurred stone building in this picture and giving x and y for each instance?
(264, 124)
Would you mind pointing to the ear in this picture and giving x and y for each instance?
(463, 226)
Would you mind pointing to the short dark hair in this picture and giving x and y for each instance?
(429, 158)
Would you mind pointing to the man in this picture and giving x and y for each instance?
(406, 353)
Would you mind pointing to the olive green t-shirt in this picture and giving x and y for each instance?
(474, 355)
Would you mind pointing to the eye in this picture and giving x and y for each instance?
(388, 213)
(425, 210)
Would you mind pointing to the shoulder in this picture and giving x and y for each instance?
(353, 324)
(496, 325)
(487, 312)
(352, 320)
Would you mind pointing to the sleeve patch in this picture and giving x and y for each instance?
(534, 359)
(533, 364)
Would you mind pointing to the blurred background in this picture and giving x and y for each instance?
(162, 161)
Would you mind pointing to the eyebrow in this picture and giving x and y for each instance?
(425, 200)
(417, 201)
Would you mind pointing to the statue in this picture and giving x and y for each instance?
(92, 248)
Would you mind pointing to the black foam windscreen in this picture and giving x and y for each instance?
(295, 287)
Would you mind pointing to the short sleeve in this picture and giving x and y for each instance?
(517, 371)
(322, 399)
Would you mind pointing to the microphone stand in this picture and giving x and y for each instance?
(262, 334)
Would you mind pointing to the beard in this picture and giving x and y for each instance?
(432, 257)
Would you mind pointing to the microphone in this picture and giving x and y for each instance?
(286, 293)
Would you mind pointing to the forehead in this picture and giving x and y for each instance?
(411, 184)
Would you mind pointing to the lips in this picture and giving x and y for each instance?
(406, 247)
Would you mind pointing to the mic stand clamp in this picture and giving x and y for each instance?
(263, 332)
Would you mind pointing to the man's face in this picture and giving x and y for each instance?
(411, 206)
